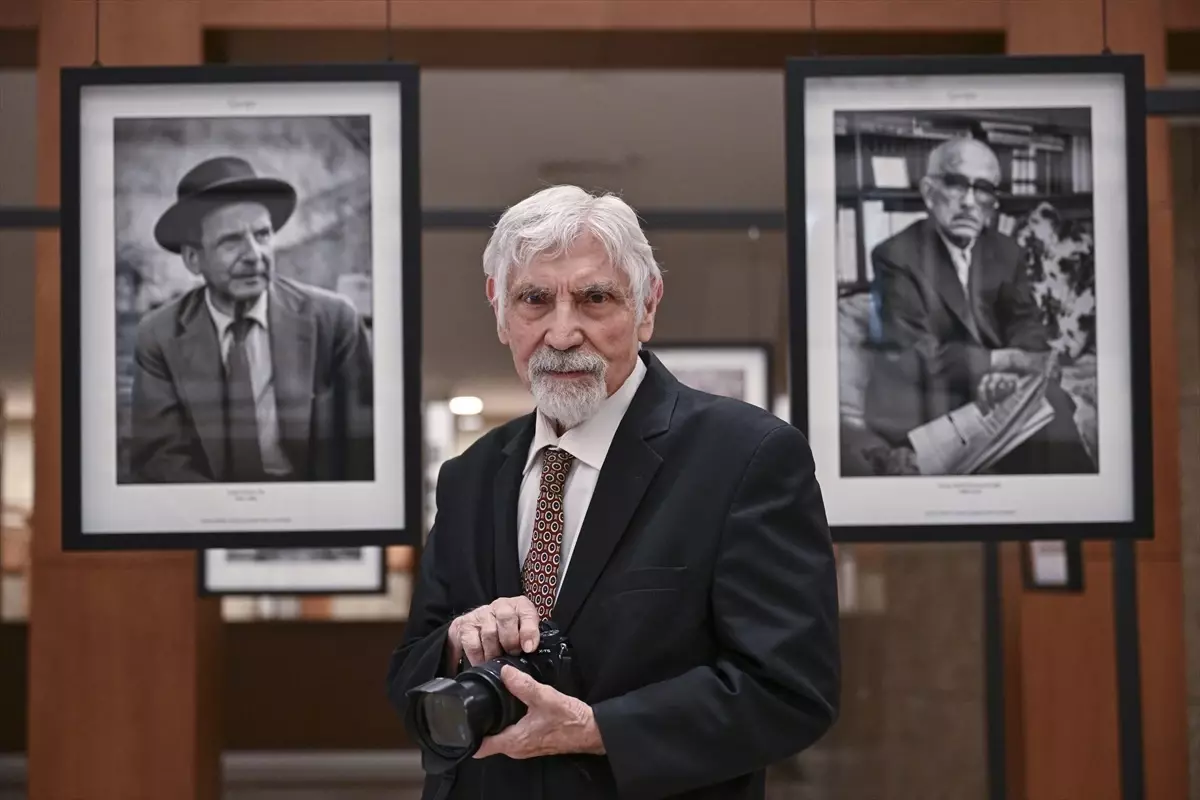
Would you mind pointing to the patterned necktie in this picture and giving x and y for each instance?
(243, 455)
(540, 572)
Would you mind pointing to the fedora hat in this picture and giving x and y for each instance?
(216, 182)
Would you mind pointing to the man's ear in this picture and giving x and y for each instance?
(646, 328)
(191, 258)
(926, 188)
(490, 291)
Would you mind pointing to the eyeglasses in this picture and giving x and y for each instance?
(957, 186)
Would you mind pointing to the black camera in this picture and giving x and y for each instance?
(451, 716)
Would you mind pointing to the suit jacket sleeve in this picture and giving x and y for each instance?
(356, 388)
(774, 686)
(161, 451)
(421, 654)
(913, 373)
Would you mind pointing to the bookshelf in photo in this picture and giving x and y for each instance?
(1045, 157)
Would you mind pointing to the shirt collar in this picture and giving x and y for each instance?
(955, 250)
(256, 312)
(589, 441)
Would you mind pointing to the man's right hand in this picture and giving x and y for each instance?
(507, 625)
(1022, 362)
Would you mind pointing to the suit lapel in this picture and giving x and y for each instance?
(293, 359)
(506, 567)
(629, 467)
(980, 256)
(202, 378)
(945, 279)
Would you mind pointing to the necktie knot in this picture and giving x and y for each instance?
(240, 328)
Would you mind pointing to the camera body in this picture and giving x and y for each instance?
(451, 716)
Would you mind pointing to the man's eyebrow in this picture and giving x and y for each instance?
(611, 287)
(524, 287)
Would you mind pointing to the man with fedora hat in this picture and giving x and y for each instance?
(250, 376)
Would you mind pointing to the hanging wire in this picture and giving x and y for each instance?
(1104, 26)
(812, 27)
(387, 4)
(96, 33)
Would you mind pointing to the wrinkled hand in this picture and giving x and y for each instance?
(994, 387)
(507, 625)
(553, 724)
(1025, 362)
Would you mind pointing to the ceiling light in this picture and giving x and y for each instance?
(465, 406)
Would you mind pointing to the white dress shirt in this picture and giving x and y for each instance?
(588, 442)
(258, 353)
(961, 257)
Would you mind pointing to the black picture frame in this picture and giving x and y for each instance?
(205, 579)
(673, 354)
(316, 515)
(1073, 582)
(884, 524)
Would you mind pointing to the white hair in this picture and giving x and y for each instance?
(546, 224)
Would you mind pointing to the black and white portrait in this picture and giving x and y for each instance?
(243, 357)
(966, 319)
(740, 371)
(293, 570)
(244, 274)
(296, 554)
(971, 312)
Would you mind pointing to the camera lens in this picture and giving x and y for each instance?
(458, 715)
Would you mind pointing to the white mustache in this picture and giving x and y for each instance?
(548, 359)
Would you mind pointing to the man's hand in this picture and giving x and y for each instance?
(508, 625)
(554, 723)
(994, 387)
(1025, 362)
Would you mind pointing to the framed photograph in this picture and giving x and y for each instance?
(738, 370)
(969, 294)
(293, 570)
(1052, 565)
(241, 307)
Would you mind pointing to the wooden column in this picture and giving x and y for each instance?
(124, 659)
(1065, 739)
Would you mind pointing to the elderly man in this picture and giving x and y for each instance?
(957, 319)
(250, 377)
(678, 539)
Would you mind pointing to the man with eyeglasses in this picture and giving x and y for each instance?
(957, 319)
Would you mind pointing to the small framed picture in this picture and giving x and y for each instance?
(293, 570)
(738, 370)
(241, 307)
(969, 294)
(1052, 565)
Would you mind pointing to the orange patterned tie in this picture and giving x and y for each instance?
(540, 572)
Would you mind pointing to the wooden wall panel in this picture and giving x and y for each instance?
(123, 676)
(578, 49)
(912, 15)
(1067, 680)
(1183, 15)
(17, 14)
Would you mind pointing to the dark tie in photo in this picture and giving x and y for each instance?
(243, 457)
(540, 571)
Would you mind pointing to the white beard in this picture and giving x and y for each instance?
(567, 403)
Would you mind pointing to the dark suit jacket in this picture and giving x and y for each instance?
(933, 341)
(322, 378)
(701, 600)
